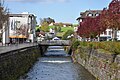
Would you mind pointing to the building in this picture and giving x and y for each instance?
(90, 13)
(5, 34)
(105, 36)
(22, 27)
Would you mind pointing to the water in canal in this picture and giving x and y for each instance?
(57, 65)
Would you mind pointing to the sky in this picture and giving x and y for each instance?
(60, 10)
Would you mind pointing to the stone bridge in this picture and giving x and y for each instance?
(55, 43)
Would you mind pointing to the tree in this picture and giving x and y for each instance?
(58, 28)
(86, 28)
(37, 28)
(4, 17)
(108, 19)
(68, 33)
(90, 28)
(111, 17)
(45, 23)
(114, 15)
(44, 27)
(55, 28)
(104, 17)
(48, 20)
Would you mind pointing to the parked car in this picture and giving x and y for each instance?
(56, 38)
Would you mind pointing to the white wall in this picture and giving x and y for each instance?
(5, 35)
(118, 35)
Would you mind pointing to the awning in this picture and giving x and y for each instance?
(20, 36)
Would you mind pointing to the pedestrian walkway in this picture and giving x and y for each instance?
(4, 49)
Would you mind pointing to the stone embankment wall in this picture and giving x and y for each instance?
(102, 65)
(16, 63)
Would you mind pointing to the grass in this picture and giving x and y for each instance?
(51, 27)
(64, 29)
(103, 47)
(60, 34)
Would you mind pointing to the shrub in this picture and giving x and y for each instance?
(75, 44)
(112, 47)
(68, 33)
(84, 43)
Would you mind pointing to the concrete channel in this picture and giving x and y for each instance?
(57, 65)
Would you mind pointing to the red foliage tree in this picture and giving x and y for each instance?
(90, 27)
(114, 14)
(109, 18)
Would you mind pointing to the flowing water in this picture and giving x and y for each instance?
(57, 65)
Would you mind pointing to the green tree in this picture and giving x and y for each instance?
(58, 28)
(48, 20)
(37, 28)
(55, 28)
(61, 24)
(44, 27)
(68, 33)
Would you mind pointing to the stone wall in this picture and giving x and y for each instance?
(103, 66)
(42, 49)
(16, 63)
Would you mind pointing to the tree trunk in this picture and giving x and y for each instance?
(114, 34)
(98, 39)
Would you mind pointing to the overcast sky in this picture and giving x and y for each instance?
(61, 10)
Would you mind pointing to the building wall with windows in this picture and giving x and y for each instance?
(107, 35)
(118, 35)
(22, 27)
(90, 13)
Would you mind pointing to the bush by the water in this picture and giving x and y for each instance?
(75, 44)
(112, 47)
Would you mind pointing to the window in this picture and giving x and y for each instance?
(17, 24)
(97, 14)
(109, 32)
(90, 14)
(80, 20)
(105, 33)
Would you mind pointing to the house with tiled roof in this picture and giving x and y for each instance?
(93, 13)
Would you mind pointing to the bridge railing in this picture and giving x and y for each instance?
(55, 42)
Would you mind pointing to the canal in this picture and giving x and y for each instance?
(57, 65)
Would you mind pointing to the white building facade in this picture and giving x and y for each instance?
(5, 34)
(22, 27)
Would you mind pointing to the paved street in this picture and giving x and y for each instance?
(4, 49)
